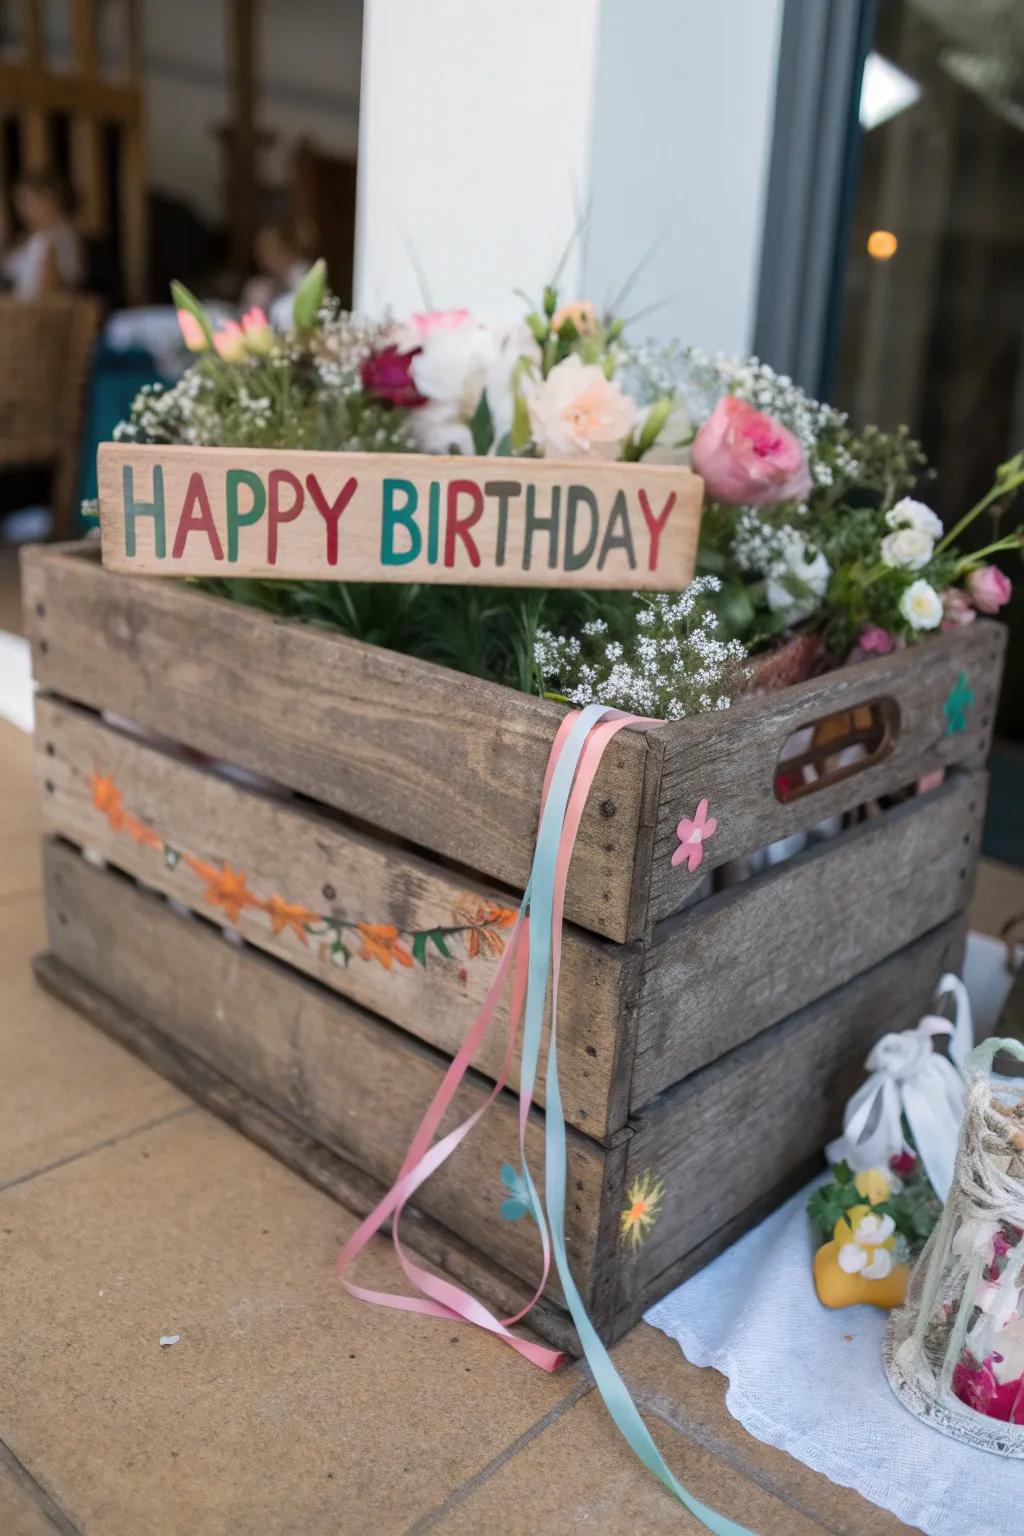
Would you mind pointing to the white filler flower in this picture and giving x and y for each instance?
(577, 413)
(909, 513)
(921, 606)
(908, 549)
(796, 584)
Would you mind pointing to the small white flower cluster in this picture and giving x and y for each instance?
(796, 580)
(162, 415)
(674, 664)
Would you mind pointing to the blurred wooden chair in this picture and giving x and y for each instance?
(46, 349)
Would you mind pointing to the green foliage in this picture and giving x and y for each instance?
(914, 1207)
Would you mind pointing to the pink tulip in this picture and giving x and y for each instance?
(873, 640)
(192, 331)
(230, 342)
(256, 329)
(989, 588)
(748, 459)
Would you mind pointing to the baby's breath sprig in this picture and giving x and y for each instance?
(671, 663)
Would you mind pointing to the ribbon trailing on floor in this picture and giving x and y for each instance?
(532, 954)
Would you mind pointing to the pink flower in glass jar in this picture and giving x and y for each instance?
(989, 588)
(692, 836)
(748, 459)
(388, 376)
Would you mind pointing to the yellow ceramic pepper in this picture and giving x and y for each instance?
(858, 1265)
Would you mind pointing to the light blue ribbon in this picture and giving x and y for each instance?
(540, 895)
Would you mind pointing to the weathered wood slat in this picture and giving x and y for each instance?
(739, 961)
(730, 1133)
(730, 759)
(449, 762)
(355, 1084)
(327, 1170)
(284, 849)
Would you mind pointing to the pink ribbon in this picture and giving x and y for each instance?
(444, 1298)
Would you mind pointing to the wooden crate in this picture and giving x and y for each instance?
(707, 1041)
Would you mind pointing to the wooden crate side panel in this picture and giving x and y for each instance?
(449, 762)
(737, 1129)
(272, 867)
(730, 758)
(355, 1084)
(741, 960)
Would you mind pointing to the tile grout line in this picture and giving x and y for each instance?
(100, 1146)
(36, 1492)
(429, 1521)
(691, 1429)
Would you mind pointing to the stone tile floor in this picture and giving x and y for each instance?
(284, 1409)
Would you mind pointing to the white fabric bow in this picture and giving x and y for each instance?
(908, 1078)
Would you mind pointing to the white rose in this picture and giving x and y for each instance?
(673, 443)
(456, 363)
(921, 606)
(909, 513)
(795, 583)
(907, 549)
(577, 413)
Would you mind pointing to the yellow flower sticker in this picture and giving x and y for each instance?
(643, 1200)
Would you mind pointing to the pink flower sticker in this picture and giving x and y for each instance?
(692, 837)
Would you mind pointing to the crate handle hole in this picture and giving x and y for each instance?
(827, 751)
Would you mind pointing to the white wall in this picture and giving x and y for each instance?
(474, 134)
(479, 120)
(680, 153)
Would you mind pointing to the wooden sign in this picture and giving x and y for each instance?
(397, 517)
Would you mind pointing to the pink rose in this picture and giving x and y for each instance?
(875, 641)
(903, 1164)
(388, 376)
(748, 459)
(989, 588)
(957, 608)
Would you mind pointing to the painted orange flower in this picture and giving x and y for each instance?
(226, 887)
(143, 835)
(483, 920)
(106, 798)
(643, 1200)
(381, 942)
(287, 914)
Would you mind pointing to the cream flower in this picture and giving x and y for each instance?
(577, 413)
(909, 513)
(581, 313)
(907, 549)
(921, 606)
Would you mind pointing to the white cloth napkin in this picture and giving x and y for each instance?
(811, 1382)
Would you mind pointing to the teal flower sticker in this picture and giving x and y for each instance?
(961, 697)
(515, 1206)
